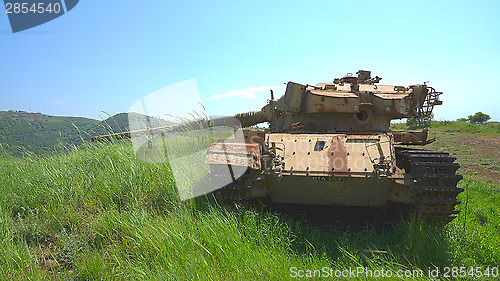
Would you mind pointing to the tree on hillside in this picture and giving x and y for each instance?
(419, 122)
(478, 118)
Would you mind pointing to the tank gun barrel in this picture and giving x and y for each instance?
(242, 120)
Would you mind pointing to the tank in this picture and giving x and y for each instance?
(331, 144)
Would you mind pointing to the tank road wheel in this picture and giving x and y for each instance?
(435, 182)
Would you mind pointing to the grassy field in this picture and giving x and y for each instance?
(99, 213)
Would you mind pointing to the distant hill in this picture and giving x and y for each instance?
(37, 133)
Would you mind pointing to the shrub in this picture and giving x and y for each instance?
(478, 118)
(419, 122)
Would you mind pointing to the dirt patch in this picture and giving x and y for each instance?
(480, 155)
(491, 142)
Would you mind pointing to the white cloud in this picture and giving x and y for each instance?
(248, 93)
(59, 101)
(235, 93)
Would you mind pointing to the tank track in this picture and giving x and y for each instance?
(435, 182)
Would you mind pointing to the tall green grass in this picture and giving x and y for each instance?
(98, 213)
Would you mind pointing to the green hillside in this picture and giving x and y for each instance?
(23, 133)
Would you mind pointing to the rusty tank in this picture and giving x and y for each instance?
(331, 144)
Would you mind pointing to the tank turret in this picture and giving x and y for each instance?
(353, 103)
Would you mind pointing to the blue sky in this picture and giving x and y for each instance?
(105, 55)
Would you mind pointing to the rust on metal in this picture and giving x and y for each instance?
(391, 96)
(254, 136)
(418, 137)
(337, 155)
(296, 126)
(234, 153)
(230, 147)
(333, 94)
